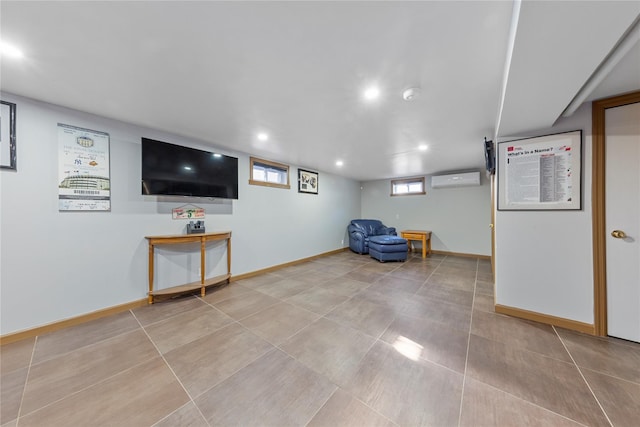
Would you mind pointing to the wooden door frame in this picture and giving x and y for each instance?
(598, 110)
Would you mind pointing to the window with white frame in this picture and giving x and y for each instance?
(407, 186)
(270, 174)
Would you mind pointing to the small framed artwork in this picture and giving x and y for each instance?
(307, 181)
(8, 135)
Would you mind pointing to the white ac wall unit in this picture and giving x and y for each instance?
(455, 180)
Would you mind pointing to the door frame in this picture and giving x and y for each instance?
(598, 110)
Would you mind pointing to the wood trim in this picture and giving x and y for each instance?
(56, 326)
(74, 321)
(546, 319)
(276, 165)
(286, 264)
(269, 184)
(598, 208)
(460, 254)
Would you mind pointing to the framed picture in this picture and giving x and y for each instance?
(307, 181)
(8, 135)
(541, 173)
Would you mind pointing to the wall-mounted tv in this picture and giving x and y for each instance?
(174, 170)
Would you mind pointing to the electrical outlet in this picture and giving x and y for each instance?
(397, 216)
(342, 242)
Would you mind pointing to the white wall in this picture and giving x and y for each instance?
(544, 259)
(458, 218)
(56, 265)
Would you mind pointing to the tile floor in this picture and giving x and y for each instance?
(339, 341)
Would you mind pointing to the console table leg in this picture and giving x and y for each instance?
(150, 298)
(203, 245)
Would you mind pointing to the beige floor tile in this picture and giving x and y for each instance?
(186, 327)
(619, 398)
(284, 288)
(429, 340)
(16, 355)
(329, 348)
(485, 287)
(362, 315)
(519, 333)
(451, 315)
(419, 272)
(65, 340)
(139, 396)
(483, 405)
(275, 390)
(363, 275)
(318, 277)
(469, 263)
(187, 416)
(56, 378)
(258, 280)
(11, 389)
(546, 382)
(346, 411)
(609, 356)
(464, 280)
(317, 299)
(163, 310)
(408, 392)
(446, 294)
(278, 322)
(344, 286)
(484, 302)
(394, 302)
(205, 362)
(222, 293)
(392, 285)
(246, 304)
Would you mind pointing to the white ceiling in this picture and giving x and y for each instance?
(221, 72)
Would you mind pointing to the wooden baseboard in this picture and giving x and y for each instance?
(287, 264)
(546, 318)
(434, 251)
(56, 326)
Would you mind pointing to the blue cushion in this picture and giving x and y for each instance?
(387, 240)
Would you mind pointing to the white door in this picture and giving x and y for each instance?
(622, 126)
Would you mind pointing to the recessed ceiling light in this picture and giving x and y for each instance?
(339, 163)
(218, 155)
(263, 136)
(371, 93)
(187, 168)
(423, 147)
(7, 49)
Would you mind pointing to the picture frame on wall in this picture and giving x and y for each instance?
(541, 173)
(8, 156)
(307, 181)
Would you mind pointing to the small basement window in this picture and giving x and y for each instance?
(269, 174)
(407, 186)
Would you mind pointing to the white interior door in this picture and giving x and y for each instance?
(622, 201)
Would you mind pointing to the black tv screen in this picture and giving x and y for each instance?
(174, 170)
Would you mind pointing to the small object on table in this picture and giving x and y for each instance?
(422, 235)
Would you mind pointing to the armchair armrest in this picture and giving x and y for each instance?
(391, 231)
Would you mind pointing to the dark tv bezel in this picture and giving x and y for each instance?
(145, 190)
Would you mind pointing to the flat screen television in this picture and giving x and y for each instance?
(174, 170)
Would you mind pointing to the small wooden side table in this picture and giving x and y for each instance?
(422, 235)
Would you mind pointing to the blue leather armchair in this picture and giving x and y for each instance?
(361, 229)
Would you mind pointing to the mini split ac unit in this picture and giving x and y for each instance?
(455, 180)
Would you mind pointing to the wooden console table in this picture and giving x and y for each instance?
(201, 238)
(422, 235)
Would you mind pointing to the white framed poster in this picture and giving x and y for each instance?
(83, 169)
(541, 173)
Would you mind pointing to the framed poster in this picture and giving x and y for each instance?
(8, 135)
(83, 169)
(307, 181)
(541, 173)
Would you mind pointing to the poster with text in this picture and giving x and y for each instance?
(83, 169)
(541, 173)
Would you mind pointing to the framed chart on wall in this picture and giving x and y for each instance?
(541, 173)
(307, 181)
